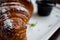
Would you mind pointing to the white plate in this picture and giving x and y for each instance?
(45, 26)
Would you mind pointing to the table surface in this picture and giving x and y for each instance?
(49, 34)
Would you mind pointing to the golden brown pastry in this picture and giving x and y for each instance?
(14, 15)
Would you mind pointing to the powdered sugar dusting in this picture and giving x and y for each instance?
(29, 0)
(6, 16)
(8, 23)
(19, 6)
(10, 3)
(6, 8)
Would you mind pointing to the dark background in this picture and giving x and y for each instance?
(57, 1)
(56, 35)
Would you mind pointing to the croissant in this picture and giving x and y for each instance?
(14, 15)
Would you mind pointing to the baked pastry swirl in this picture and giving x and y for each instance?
(14, 15)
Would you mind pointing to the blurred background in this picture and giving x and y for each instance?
(38, 6)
